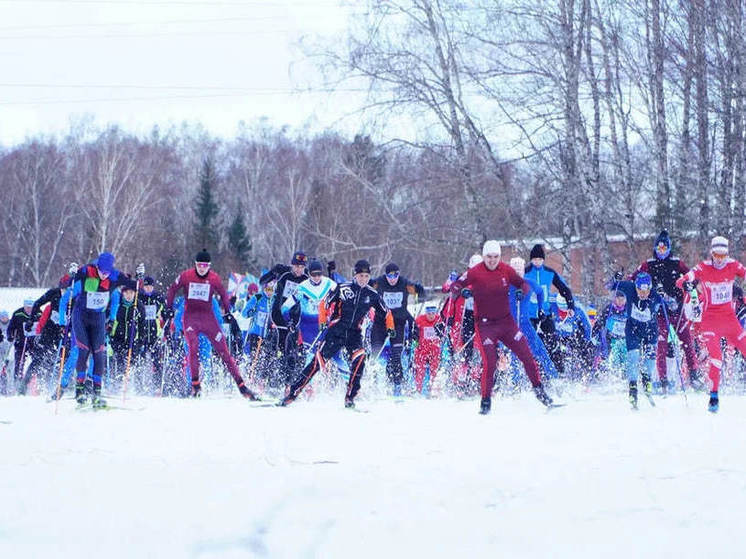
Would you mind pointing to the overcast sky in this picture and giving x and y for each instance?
(140, 63)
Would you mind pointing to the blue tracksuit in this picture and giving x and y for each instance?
(524, 323)
(545, 277)
(641, 330)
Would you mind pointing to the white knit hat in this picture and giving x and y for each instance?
(719, 245)
(491, 247)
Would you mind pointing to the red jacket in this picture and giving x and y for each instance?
(198, 292)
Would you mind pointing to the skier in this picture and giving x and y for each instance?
(92, 286)
(49, 336)
(574, 333)
(199, 284)
(342, 313)
(664, 269)
(545, 278)
(151, 340)
(126, 328)
(287, 281)
(20, 332)
(258, 309)
(716, 277)
(6, 348)
(640, 331)
(609, 331)
(489, 283)
(427, 336)
(395, 290)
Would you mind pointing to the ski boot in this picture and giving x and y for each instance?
(97, 401)
(633, 394)
(196, 390)
(664, 387)
(57, 393)
(484, 407)
(248, 394)
(647, 387)
(714, 404)
(349, 404)
(542, 395)
(81, 394)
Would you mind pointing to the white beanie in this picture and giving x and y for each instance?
(719, 245)
(474, 260)
(491, 247)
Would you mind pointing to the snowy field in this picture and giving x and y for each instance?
(422, 478)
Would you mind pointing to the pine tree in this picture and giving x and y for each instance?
(238, 240)
(206, 209)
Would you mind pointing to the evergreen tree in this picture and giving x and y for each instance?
(206, 209)
(238, 240)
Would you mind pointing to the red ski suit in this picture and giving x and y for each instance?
(200, 319)
(493, 319)
(718, 310)
(428, 350)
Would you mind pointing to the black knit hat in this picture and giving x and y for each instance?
(314, 266)
(537, 252)
(202, 256)
(391, 267)
(148, 280)
(362, 267)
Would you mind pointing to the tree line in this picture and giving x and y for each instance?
(567, 119)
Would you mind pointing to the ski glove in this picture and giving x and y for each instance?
(688, 286)
(140, 271)
(391, 334)
(72, 268)
(618, 276)
(466, 293)
(519, 294)
(27, 326)
(167, 313)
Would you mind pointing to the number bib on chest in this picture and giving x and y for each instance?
(640, 315)
(393, 299)
(150, 312)
(261, 319)
(290, 289)
(721, 293)
(429, 333)
(96, 301)
(616, 327)
(199, 291)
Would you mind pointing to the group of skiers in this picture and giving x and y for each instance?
(302, 322)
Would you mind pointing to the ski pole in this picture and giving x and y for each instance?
(672, 339)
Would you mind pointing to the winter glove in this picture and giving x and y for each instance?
(140, 271)
(109, 326)
(466, 293)
(688, 286)
(453, 276)
(519, 294)
(72, 268)
(27, 326)
(391, 333)
(167, 313)
(618, 276)
(659, 290)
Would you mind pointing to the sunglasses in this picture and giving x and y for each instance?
(393, 275)
(315, 274)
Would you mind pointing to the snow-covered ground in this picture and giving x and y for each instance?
(424, 478)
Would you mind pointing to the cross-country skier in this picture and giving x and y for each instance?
(287, 280)
(20, 332)
(574, 333)
(609, 331)
(151, 341)
(343, 313)
(665, 269)
(92, 286)
(546, 278)
(427, 336)
(490, 284)
(395, 290)
(199, 285)
(127, 327)
(641, 331)
(716, 277)
(45, 313)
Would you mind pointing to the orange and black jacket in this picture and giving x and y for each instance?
(348, 304)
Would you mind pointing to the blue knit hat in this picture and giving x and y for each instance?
(105, 262)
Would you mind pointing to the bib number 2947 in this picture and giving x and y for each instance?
(199, 291)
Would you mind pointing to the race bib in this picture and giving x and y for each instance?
(55, 317)
(641, 315)
(393, 299)
(199, 291)
(721, 293)
(97, 300)
(616, 327)
(150, 312)
(261, 319)
(290, 289)
(429, 333)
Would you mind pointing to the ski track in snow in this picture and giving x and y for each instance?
(216, 478)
